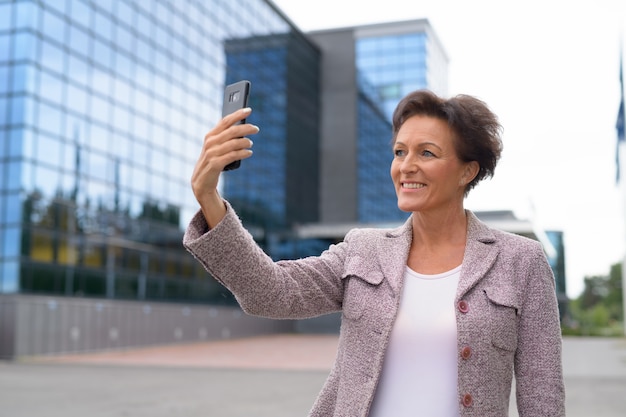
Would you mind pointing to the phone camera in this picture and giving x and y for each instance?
(234, 96)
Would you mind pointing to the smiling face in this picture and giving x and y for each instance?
(426, 171)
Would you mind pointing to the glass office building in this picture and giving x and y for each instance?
(279, 186)
(400, 59)
(376, 195)
(557, 263)
(103, 107)
(367, 70)
(391, 61)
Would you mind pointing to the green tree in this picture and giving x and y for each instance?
(599, 308)
(615, 297)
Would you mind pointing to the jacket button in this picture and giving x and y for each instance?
(463, 306)
(466, 352)
(468, 400)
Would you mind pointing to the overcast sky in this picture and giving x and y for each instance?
(550, 70)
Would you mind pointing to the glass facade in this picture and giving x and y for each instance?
(389, 66)
(557, 263)
(103, 105)
(377, 201)
(393, 65)
(279, 186)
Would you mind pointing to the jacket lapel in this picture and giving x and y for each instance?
(393, 252)
(480, 254)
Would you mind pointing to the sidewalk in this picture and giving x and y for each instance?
(271, 376)
(582, 356)
(294, 352)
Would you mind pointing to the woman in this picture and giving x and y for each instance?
(437, 314)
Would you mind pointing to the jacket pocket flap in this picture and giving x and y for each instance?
(361, 279)
(364, 269)
(502, 297)
(503, 317)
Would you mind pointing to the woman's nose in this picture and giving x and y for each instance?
(409, 164)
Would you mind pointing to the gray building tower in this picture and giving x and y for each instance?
(365, 72)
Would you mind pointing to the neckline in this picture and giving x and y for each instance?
(440, 275)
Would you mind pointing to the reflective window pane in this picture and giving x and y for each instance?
(125, 14)
(26, 14)
(78, 70)
(9, 270)
(51, 87)
(15, 143)
(4, 109)
(77, 99)
(103, 25)
(102, 54)
(24, 46)
(80, 12)
(13, 213)
(6, 16)
(5, 47)
(42, 247)
(50, 119)
(17, 106)
(79, 40)
(49, 149)
(14, 177)
(52, 57)
(53, 26)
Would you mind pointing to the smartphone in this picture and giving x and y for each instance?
(235, 97)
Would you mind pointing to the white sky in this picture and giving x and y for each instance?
(550, 70)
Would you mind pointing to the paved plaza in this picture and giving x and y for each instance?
(272, 376)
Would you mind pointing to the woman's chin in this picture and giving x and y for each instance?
(408, 208)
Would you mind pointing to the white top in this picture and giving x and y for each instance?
(419, 375)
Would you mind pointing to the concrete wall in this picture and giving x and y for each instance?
(338, 144)
(41, 325)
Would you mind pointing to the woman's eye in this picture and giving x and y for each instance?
(427, 153)
(399, 152)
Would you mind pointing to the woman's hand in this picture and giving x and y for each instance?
(224, 144)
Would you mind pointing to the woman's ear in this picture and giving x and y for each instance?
(471, 170)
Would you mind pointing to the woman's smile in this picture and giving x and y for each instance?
(412, 185)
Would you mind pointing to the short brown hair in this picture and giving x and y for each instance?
(476, 127)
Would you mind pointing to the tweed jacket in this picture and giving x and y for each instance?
(505, 306)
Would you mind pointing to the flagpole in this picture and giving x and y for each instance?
(624, 261)
(623, 189)
(622, 185)
(619, 149)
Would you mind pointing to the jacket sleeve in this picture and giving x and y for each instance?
(286, 289)
(538, 364)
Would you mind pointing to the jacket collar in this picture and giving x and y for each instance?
(480, 253)
(393, 254)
